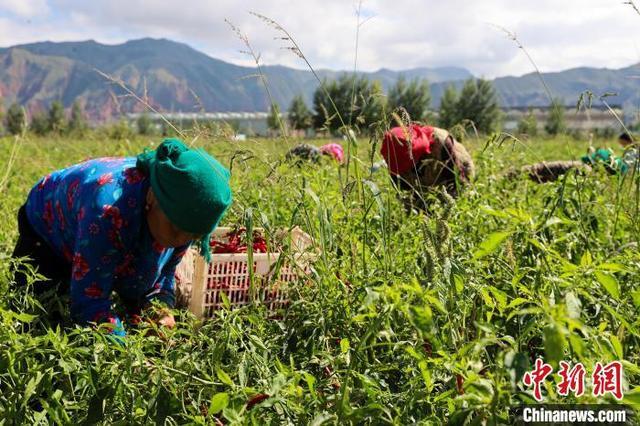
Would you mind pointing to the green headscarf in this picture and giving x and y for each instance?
(190, 185)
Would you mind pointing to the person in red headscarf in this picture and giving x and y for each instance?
(422, 158)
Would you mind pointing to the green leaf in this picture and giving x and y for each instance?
(22, 317)
(611, 267)
(459, 283)
(519, 214)
(609, 283)
(517, 302)
(518, 363)
(496, 213)
(321, 419)
(500, 296)
(586, 259)
(219, 402)
(481, 388)
(491, 244)
(487, 298)
(635, 295)
(574, 306)
(554, 343)
(632, 398)
(436, 303)
(568, 267)
(311, 381)
(576, 344)
(426, 375)
(224, 377)
(31, 387)
(617, 346)
(421, 317)
(225, 300)
(344, 346)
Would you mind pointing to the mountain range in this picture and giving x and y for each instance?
(175, 77)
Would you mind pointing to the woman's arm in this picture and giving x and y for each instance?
(164, 290)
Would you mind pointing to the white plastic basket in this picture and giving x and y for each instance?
(200, 285)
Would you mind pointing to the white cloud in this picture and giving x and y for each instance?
(24, 8)
(401, 33)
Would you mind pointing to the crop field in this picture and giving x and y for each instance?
(406, 317)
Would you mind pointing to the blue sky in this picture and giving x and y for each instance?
(397, 34)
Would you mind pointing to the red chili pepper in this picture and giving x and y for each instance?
(327, 371)
(256, 399)
(235, 243)
(428, 349)
(460, 384)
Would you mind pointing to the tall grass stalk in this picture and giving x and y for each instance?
(295, 48)
(10, 162)
(256, 59)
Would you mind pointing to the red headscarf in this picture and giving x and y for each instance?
(403, 147)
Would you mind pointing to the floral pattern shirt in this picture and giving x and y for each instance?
(92, 215)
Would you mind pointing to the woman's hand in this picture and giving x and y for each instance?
(161, 316)
(166, 319)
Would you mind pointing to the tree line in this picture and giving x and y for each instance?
(356, 102)
(349, 102)
(54, 120)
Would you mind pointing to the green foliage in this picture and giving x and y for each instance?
(405, 318)
(119, 130)
(475, 106)
(478, 103)
(555, 123)
(77, 121)
(39, 124)
(144, 124)
(448, 115)
(605, 133)
(166, 130)
(349, 101)
(274, 120)
(414, 97)
(57, 121)
(528, 125)
(16, 119)
(300, 117)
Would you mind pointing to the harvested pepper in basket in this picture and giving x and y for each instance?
(236, 243)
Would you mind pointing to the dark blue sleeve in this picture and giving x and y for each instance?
(164, 291)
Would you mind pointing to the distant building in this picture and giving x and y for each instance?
(247, 123)
(596, 117)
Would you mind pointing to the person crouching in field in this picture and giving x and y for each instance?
(120, 225)
(306, 152)
(549, 171)
(424, 158)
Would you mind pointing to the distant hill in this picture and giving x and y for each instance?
(179, 78)
(528, 90)
(176, 77)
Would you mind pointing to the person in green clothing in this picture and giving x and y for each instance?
(631, 157)
(548, 171)
(606, 158)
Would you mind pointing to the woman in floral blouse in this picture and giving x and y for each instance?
(121, 225)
